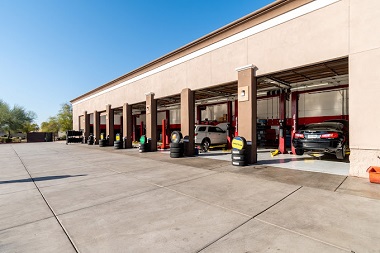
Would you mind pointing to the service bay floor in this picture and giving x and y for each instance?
(79, 198)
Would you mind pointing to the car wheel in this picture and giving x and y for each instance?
(341, 153)
(205, 145)
(299, 151)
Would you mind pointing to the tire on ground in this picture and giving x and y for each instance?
(175, 155)
(299, 151)
(236, 157)
(238, 163)
(176, 145)
(176, 150)
(142, 148)
(238, 152)
(117, 145)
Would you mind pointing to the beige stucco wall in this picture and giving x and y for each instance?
(347, 27)
(297, 42)
(364, 64)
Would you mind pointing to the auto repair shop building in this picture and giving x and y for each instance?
(300, 61)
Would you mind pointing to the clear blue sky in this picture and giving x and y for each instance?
(52, 51)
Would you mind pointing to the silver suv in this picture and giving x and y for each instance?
(207, 135)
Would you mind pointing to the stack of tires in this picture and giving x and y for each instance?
(143, 146)
(117, 144)
(176, 145)
(238, 151)
(102, 141)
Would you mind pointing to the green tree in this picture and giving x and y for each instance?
(14, 119)
(65, 117)
(51, 125)
(30, 127)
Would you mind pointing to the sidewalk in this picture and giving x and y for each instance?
(90, 199)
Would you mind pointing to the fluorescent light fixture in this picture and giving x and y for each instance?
(310, 86)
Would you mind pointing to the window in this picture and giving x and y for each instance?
(202, 129)
(212, 129)
(219, 130)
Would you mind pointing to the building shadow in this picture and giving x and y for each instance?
(37, 179)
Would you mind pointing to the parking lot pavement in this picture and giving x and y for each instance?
(79, 198)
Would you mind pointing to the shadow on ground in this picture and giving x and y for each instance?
(37, 179)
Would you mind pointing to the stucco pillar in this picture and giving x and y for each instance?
(188, 119)
(96, 126)
(86, 126)
(282, 135)
(151, 121)
(247, 109)
(294, 105)
(110, 125)
(127, 125)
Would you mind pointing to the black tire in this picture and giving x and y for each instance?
(299, 151)
(176, 150)
(176, 137)
(142, 148)
(238, 152)
(238, 163)
(176, 145)
(341, 153)
(101, 143)
(175, 155)
(238, 157)
(205, 145)
(117, 145)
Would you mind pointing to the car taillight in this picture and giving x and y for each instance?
(330, 136)
(195, 134)
(299, 136)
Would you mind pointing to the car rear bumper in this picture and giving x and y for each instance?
(318, 145)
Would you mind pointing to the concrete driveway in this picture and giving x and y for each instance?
(79, 198)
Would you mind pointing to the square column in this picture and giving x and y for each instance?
(188, 119)
(96, 126)
(127, 124)
(168, 131)
(247, 110)
(294, 105)
(110, 125)
(151, 120)
(282, 134)
(86, 126)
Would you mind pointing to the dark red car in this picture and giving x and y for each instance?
(327, 137)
